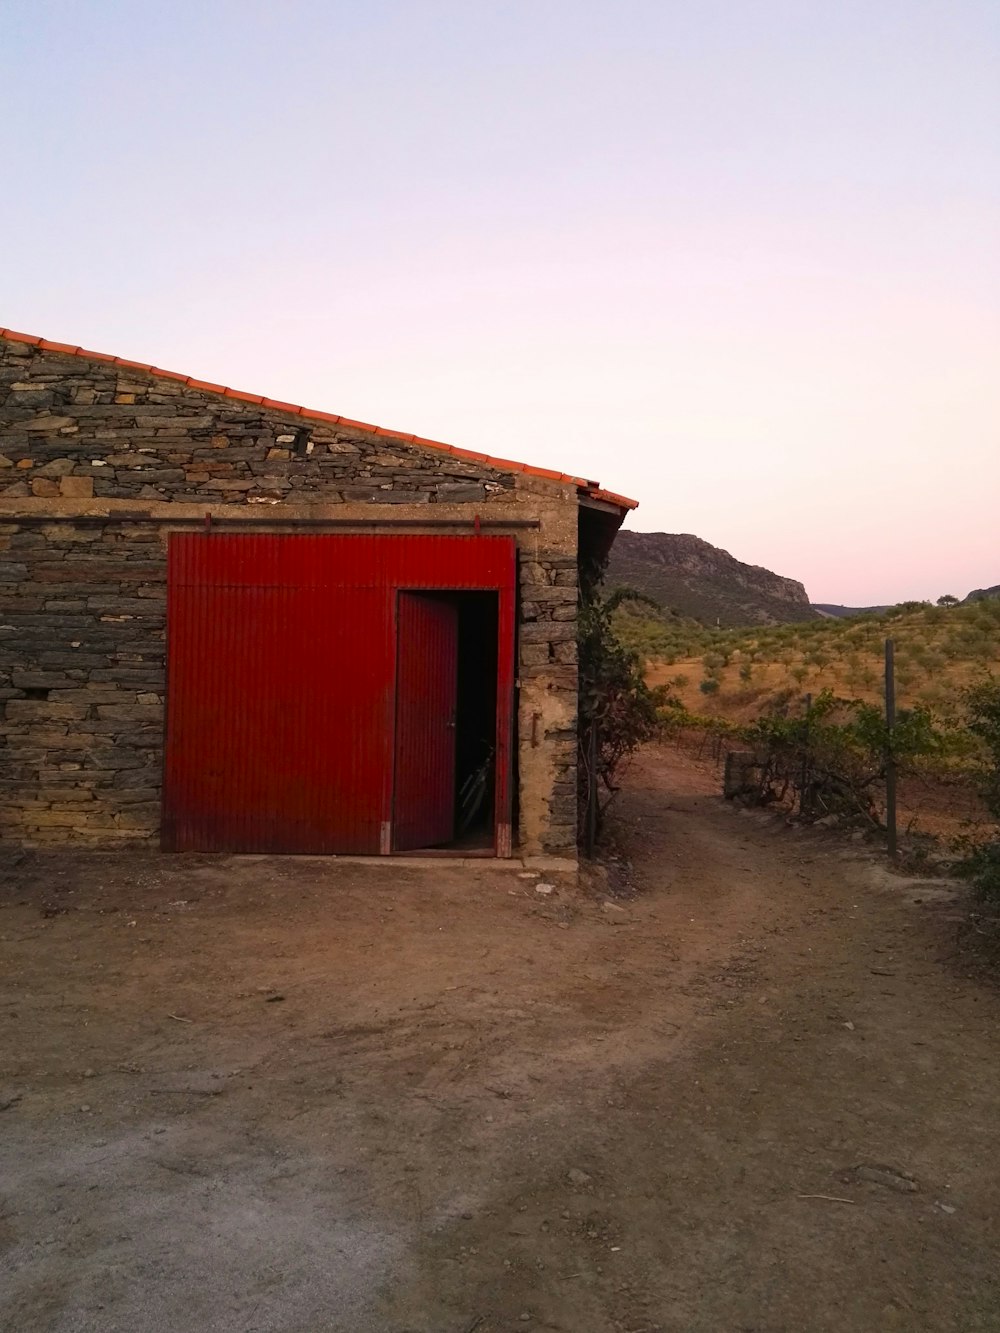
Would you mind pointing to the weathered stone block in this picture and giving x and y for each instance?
(531, 571)
(130, 712)
(76, 488)
(139, 818)
(113, 758)
(38, 680)
(46, 424)
(534, 654)
(560, 837)
(450, 493)
(563, 809)
(59, 467)
(554, 594)
(146, 778)
(548, 632)
(42, 710)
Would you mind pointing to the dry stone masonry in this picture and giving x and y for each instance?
(94, 458)
(82, 680)
(75, 430)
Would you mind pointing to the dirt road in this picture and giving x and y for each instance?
(259, 1094)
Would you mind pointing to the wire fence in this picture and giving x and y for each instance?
(936, 801)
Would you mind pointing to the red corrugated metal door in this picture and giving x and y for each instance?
(426, 698)
(279, 706)
(284, 692)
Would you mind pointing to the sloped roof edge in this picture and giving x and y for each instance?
(585, 487)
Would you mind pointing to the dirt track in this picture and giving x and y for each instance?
(253, 1094)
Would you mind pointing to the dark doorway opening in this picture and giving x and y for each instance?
(476, 721)
(446, 722)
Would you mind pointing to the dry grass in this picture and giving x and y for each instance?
(938, 654)
(741, 700)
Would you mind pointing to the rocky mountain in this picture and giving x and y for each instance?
(686, 574)
(982, 594)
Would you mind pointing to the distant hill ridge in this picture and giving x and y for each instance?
(833, 609)
(838, 612)
(689, 575)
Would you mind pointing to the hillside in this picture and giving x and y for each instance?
(833, 609)
(739, 673)
(683, 573)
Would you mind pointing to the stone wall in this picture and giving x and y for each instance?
(79, 429)
(82, 641)
(548, 700)
(81, 681)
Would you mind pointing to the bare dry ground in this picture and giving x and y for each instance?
(249, 1094)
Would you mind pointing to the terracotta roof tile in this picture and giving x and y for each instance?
(121, 361)
(57, 347)
(348, 424)
(590, 488)
(276, 405)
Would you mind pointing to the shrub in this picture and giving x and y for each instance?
(618, 710)
(833, 753)
(710, 685)
(982, 704)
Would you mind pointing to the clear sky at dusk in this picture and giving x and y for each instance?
(740, 260)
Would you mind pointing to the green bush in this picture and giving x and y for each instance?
(982, 704)
(618, 711)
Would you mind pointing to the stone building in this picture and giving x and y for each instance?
(231, 623)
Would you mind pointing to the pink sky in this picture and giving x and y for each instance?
(741, 262)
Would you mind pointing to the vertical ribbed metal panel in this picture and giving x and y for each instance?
(426, 690)
(281, 666)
